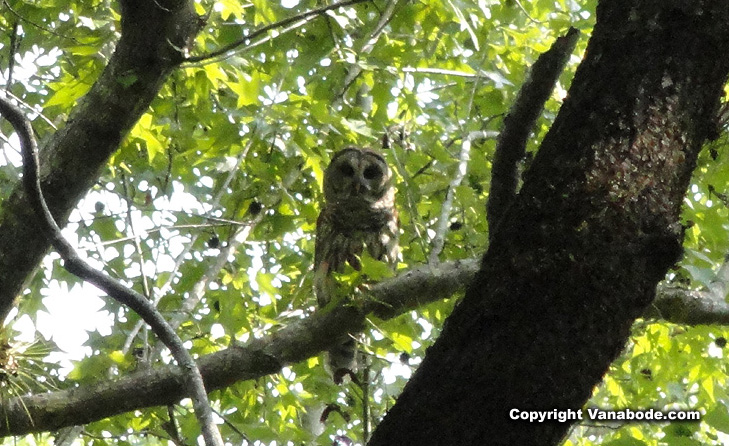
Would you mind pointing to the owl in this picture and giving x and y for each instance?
(358, 211)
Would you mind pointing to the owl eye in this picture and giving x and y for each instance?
(346, 170)
(371, 172)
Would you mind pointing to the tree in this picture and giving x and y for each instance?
(239, 112)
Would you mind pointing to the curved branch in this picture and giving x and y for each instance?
(77, 266)
(367, 48)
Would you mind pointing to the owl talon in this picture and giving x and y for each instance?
(339, 375)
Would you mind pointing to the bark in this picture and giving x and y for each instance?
(578, 255)
(519, 123)
(149, 48)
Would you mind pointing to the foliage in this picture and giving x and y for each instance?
(226, 168)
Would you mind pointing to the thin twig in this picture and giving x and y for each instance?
(272, 36)
(135, 238)
(32, 109)
(129, 199)
(115, 289)
(530, 18)
(40, 27)
(167, 228)
(417, 221)
(232, 426)
(230, 48)
(337, 47)
(183, 255)
(440, 72)
(12, 50)
(356, 70)
(171, 427)
(474, 87)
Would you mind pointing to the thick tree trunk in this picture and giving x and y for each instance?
(578, 255)
(152, 35)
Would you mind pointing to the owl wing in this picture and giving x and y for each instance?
(336, 244)
(333, 248)
(385, 244)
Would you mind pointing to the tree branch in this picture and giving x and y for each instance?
(294, 343)
(511, 146)
(77, 266)
(445, 213)
(146, 53)
(298, 341)
(682, 306)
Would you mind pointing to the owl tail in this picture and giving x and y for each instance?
(342, 360)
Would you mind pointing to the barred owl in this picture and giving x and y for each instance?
(358, 211)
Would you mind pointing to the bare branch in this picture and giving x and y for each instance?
(32, 109)
(441, 72)
(77, 266)
(682, 306)
(445, 213)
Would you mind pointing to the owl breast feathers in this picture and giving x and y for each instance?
(359, 210)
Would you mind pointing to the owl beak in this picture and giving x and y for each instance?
(360, 184)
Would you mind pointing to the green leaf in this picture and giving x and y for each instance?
(718, 418)
(246, 86)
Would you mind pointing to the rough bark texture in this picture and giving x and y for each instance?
(519, 123)
(149, 48)
(595, 227)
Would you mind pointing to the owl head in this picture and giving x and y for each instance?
(356, 173)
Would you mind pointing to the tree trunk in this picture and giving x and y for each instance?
(152, 35)
(577, 256)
